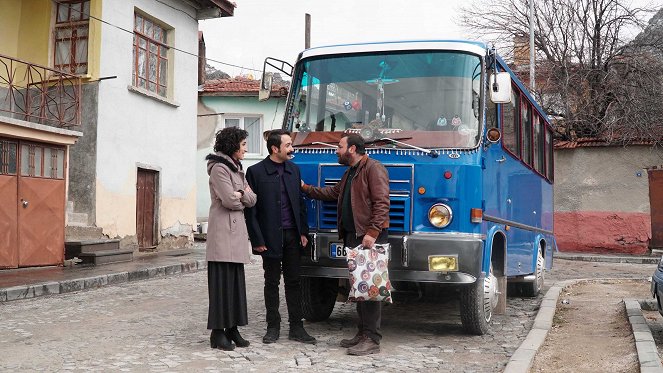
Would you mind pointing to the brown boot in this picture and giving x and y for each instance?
(366, 346)
(353, 341)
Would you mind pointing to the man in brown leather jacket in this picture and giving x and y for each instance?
(362, 198)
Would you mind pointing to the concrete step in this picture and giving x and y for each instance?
(72, 233)
(106, 257)
(77, 219)
(77, 248)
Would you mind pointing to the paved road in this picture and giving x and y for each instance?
(159, 325)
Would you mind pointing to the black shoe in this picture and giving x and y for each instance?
(271, 336)
(233, 335)
(219, 340)
(297, 333)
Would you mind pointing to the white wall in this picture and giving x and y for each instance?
(271, 112)
(137, 129)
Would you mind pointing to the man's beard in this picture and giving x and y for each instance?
(344, 159)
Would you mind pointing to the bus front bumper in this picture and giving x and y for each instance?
(409, 258)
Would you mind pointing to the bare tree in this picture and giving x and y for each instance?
(591, 72)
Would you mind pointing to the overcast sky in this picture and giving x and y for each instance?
(275, 28)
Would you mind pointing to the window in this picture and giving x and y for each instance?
(550, 172)
(253, 126)
(150, 56)
(526, 131)
(72, 23)
(7, 158)
(539, 146)
(510, 129)
(42, 161)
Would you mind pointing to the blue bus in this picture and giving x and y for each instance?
(470, 161)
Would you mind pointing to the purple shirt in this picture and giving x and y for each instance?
(287, 217)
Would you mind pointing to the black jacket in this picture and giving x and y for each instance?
(264, 219)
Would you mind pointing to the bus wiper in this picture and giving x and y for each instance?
(315, 143)
(432, 153)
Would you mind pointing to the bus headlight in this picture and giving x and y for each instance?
(439, 215)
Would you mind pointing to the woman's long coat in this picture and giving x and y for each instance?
(227, 237)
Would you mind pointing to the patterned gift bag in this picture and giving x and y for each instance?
(369, 278)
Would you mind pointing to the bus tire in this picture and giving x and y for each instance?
(318, 297)
(477, 302)
(532, 289)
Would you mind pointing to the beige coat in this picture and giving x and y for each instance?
(227, 237)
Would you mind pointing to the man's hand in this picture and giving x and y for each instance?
(238, 195)
(260, 249)
(304, 240)
(368, 241)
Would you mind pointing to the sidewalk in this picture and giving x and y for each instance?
(26, 283)
(608, 258)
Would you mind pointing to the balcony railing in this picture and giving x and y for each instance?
(38, 94)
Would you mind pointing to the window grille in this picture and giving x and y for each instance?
(71, 34)
(150, 56)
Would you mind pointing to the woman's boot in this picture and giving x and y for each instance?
(233, 335)
(218, 339)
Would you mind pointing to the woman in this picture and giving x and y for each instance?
(227, 239)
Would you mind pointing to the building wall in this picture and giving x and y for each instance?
(602, 198)
(10, 18)
(35, 31)
(271, 111)
(83, 155)
(135, 129)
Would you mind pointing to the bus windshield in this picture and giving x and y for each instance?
(427, 99)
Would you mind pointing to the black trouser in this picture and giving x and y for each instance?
(370, 312)
(290, 264)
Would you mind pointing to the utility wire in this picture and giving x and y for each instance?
(170, 47)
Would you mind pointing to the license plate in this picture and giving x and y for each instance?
(337, 250)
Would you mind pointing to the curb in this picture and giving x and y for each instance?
(608, 258)
(522, 359)
(648, 357)
(67, 286)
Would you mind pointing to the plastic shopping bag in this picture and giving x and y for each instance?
(369, 277)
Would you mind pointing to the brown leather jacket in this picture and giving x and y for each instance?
(369, 197)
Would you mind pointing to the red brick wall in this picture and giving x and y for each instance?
(603, 232)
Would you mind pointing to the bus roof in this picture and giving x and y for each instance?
(386, 46)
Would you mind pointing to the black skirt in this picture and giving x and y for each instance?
(227, 295)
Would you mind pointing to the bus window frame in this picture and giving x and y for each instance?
(524, 101)
(550, 174)
(516, 124)
(536, 121)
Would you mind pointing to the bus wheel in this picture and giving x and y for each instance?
(477, 302)
(318, 297)
(532, 289)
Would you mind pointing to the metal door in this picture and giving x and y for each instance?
(8, 204)
(41, 203)
(656, 207)
(145, 213)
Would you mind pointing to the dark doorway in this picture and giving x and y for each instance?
(146, 197)
(656, 208)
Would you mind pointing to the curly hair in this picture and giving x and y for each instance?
(228, 140)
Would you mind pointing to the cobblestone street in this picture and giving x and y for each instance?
(159, 325)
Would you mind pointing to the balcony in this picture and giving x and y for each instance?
(38, 94)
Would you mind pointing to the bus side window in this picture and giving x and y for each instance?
(539, 145)
(550, 172)
(526, 131)
(510, 130)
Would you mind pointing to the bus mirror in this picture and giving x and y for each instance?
(500, 88)
(265, 86)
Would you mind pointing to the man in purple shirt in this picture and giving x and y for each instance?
(278, 231)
